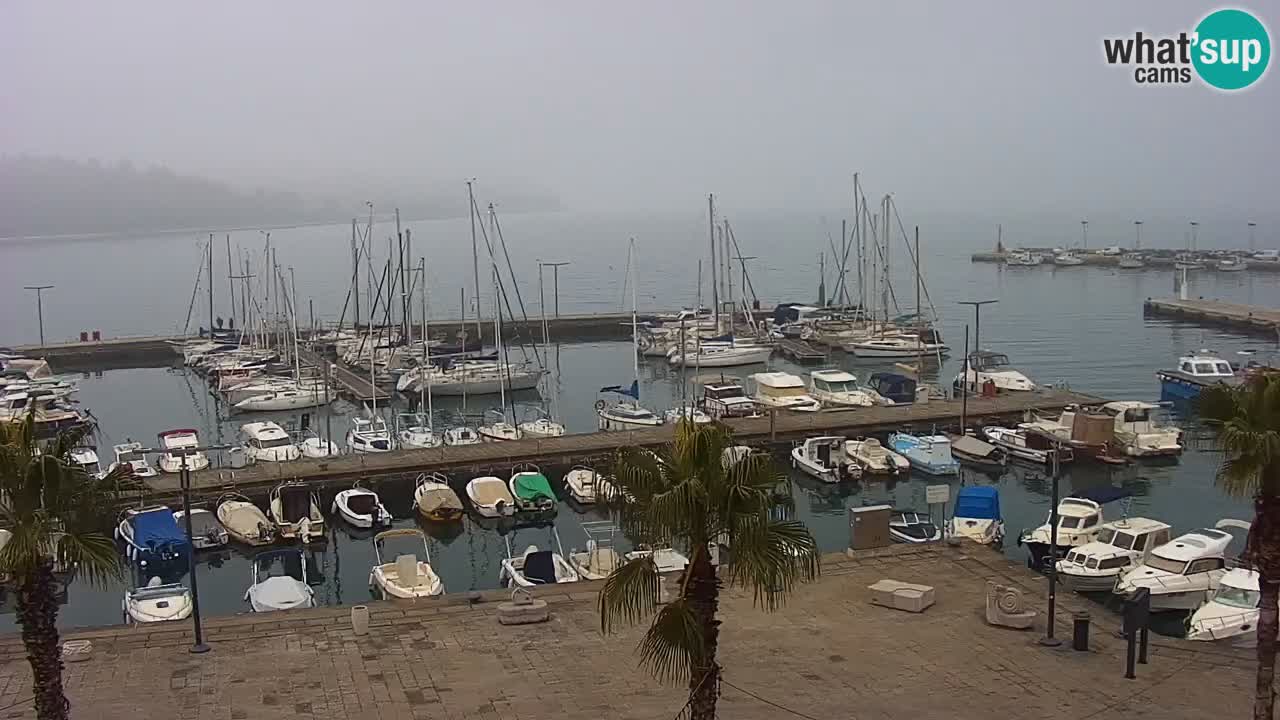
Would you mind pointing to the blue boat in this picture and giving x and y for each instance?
(152, 537)
(1193, 374)
(977, 515)
(927, 453)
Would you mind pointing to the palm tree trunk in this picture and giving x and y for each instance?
(704, 678)
(38, 614)
(1264, 689)
(1264, 553)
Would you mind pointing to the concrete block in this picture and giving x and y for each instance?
(523, 611)
(902, 596)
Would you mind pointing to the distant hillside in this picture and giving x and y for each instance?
(57, 196)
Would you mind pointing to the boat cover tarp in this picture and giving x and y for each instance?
(204, 523)
(971, 446)
(490, 492)
(156, 529)
(362, 503)
(531, 486)
(979, 502)
(1102, 495)
(280, 592)
(440, 498)
(295, 503)
(540, 567)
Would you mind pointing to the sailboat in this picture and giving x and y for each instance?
(500, 429)
(623, 414)
(416, 430)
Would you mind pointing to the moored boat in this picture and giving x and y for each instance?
(929, 454)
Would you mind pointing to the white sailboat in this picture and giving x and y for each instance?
(628, 415)
(416, 430)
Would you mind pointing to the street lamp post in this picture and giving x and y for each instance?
(1137, 230)
(555, 281)
(977, 334)
(1194, 226)
(39, 306)
(1084, 234)
(1252, 246)
(1049, 640)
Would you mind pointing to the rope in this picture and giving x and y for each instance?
(770, 703)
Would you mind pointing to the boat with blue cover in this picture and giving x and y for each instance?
(977, 515)
(927, 453)
(152, 536)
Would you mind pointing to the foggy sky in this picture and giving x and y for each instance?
(984, 106)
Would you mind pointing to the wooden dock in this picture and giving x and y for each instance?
(778, 429)
(357, 387)
(800, 351)
(1254, 318)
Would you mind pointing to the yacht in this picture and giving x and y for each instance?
(713, 355)
(837, 388)
(930, 454)
(170, 461)
(1233, 264)
(499, 429)
(823, 457)
(1022, 444)
(977, 515)
(1194, 373)
(990, 367)
(1067, 259)
(294, 395)
(874, 458)
(130, 453)
(1121, 545)
(782, 391)
(542, 426)
(726, 400)
(267, 442)
(1182, 574)
(369, 435)
(1187, 261)
(1231, 615)
(625, 415)
(1138, 431)
(472, 377)
(1079, 521)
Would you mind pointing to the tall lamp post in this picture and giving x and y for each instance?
(977, 335)
(39, 306)
(1137, 231)
(1049, 640)
(1084, 234)
(1252, 246)
(555, 280)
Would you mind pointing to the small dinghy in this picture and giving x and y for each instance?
(407, 577)
(584, 485)
(667, 559)
(295, 510)
(874, 458)
(244, 521)
(360, 507)
(279, 592)
(157, 601)
(435, 500)
(599, 559)
(907, 526)
(206, 531)
(531, 490)
(536, 567)
(152, 537)
(490, 497)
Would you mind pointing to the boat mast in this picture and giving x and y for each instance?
(728, 273)
(293, 307)
(355, 274)
(475, 256)
(711, 229)
(635, 328)
(497, 339)
(426, 351)
(368, 262)
(859, 228)
(404, 286)
(231, 283)
(210, 249)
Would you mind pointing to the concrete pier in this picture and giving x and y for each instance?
(1253, 318)
(1153, 260)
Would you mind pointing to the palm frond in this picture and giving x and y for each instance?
(93, 555)
(770, 557)
(629, 594)
(673, 643)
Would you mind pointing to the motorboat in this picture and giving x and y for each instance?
(531, 490)
(86, 458)
(1187, 261)
(686, 412)
(599, 559)
(837, 388)
(151, 536)
(314, 446)
(407, 577)
(1194, 373)
(977, 515)
(991, 368)
(130, 453)
(1023, 258)
(666, 559)
(157, 601)
(1086, 431)
(235, 389)
(369, 435)
(1067, 259)
(824, 458)
(286, 591)
(174, 441)
(1131, 261)
(1233, 264)
(461, 435)
(360, 507)
(435, 499)
(415, 432)
(536, 567)
(1231, 615)
(584, 485)
(930, 454)
(782, 391)
(490, 497)
(1121, 545)
(244, 521)
(1079, 521)
(295, 510)
(499, 429)
(1024, 443)
(907, 526)
(898, 347)
(874, 458)
(1184, 573)
(268, 442)
(206, 532)
(892, 388)
(726, 400)
(978, 454)
(1138, 431)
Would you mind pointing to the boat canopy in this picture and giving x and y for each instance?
(439, 498)
(1102, 495)
(972, 446)
(980, 502)
(156, 529)
(362, 503)
(295, 503)
(531, 486)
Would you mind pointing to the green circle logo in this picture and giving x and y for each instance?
(1232, 49)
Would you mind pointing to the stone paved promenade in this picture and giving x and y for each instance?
(828, 654)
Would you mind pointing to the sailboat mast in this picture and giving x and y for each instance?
(404, 286)
(635, 328)
(475, 254)
(728, 272)
(860, 229)
(699, 306)
(293, 313)
(711, 229)
(231, 283)
(426, 350)
(497, 339)
(210, 249)
(355, 273)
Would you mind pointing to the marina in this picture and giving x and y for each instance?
(1252, 318)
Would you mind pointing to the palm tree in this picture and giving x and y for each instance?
(692, 494)
(1246, 421)
(56, 514)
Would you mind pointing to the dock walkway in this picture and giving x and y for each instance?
(1217, 312)
(349, 383)
(800, 351)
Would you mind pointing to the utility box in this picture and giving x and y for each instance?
(869, 527)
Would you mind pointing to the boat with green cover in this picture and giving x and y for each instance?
(531, 490)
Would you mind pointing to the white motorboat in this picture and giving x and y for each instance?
(157, 601)
(823, 457)
(907, 526)
(1139, 432)
(435, 499)
(286, 591)
(977, 515)
(1233, 264)
(294, 396)
(543, 427)
(491, 497)
(585, 485)
(415, 432)
(86, 458)
(686, 412)
(206, 531)
(1194, 373)
(599, 559)
(1023, 258)
(1023, 444)
(314, 446)
(985, 367)
(268, 442)
(177, 440)
(874, 458)
(1067, 259)
(369, 435)
(1131, 261)
(1183, 573)
(1231, 615)
(130, 453)
(498, 429)
(666, 559)
(407, 577)
(1079, 521)
(151, 536)
(295, 510)
(1121, 545)
(726, 400)
(360, 507)
(625, 415)
(930, 454)
(244, 521)
(837, 388)
(536, 567)
(782, 391)
(461, 435)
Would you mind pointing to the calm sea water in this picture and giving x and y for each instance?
(1079, 326)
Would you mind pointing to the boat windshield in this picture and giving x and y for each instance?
(1069, 522)
(1237, 597)
(722, 393)
(1124, 541)
(784, 391)
(130, 456)
(273, 443)
(837, 387)
(1176, 567)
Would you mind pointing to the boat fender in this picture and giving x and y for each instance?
(600, 404)
(1019, 541)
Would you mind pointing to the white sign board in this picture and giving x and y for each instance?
(937, 494)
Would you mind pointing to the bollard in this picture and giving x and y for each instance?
(1080, 631)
